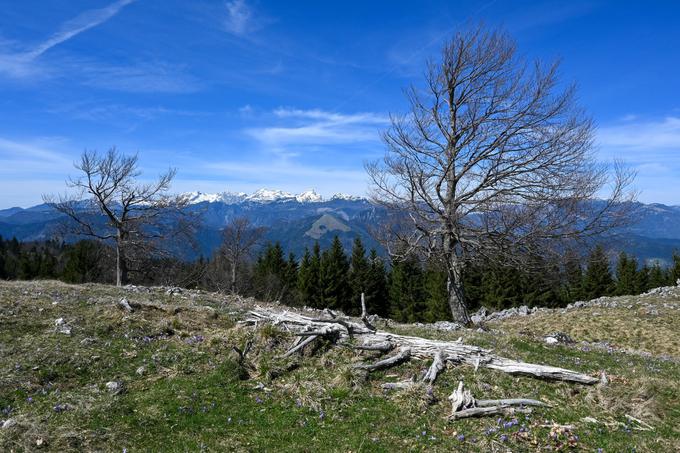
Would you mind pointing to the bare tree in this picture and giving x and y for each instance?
(238, 238)
(111, 204)
(493, 160)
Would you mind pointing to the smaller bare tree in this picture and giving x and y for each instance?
(110, 204)
(238, 239)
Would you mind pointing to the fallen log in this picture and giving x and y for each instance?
(385, 346)
(464, 405)
(492, 410)
(403, 356)
(438, 365)
(511, 402)
(420, 348)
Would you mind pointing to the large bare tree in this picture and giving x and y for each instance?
(494, 159)
(109, 202)
(238, 239)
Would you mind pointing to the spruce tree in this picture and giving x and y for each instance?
(597, 280)
(436, 297)
(3, 259)
(308, 280)
(358, 275)
(406, 291)
(291, 280)
(377, 301)
(270, 273)
(334, 278)
(642, 280)
(573, 277)
(502, 287)
(626, 275)
(657, 276)
(675, 269)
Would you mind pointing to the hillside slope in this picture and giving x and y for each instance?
(78, 371)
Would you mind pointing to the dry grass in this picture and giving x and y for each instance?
(650, 325)
(192, 394)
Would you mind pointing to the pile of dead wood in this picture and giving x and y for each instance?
(402, 348)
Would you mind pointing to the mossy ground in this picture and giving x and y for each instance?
(184, 390)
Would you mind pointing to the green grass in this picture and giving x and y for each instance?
(185, 391)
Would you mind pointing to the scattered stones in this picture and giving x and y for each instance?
(174, 290)
(558, 337)
(9, 423)
(60, 326)
(125, 305)
(115, 387)
(141, 370)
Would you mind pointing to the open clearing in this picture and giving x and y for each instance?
(79, 372)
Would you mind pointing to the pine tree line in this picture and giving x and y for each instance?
(408, 290)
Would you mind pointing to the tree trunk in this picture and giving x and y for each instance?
(455, 292)
(233, 276)
(121, 264)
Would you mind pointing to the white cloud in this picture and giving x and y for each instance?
(317, 128)
(77, 25)
(642, 135)
(39, 152)
(240, 18)
(649, 146)
(138, 78)
(19, 64)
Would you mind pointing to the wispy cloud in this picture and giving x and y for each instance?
(19, 158)
(651, 147)
(241, 19)
(642, 135)
(77, 25)
(297, 129)
(18, 63)
(153, 77)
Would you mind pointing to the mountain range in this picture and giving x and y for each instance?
(299, 220)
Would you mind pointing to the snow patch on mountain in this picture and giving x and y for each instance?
(346, 197)
(224, 197)
(309, 196)
(265, 196)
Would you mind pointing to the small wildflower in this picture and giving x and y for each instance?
(460, 437)
(258, 400)
(229, 420)
(504, 438)
(322, 415)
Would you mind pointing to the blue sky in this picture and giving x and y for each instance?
(244, 94)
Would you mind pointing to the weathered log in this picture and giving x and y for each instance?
(384, 346)
(299, 346)
(464, 405)
(364, 315)
(422, 348)
(438, 365)
(461, 399)
(511, 402)
(491, 410)
(403, 356)
(401, 385)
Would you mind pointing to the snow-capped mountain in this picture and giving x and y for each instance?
(346, 197)
(264, 196)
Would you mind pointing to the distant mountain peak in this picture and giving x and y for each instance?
(346, 197)
(309, 196)
(265, 195)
